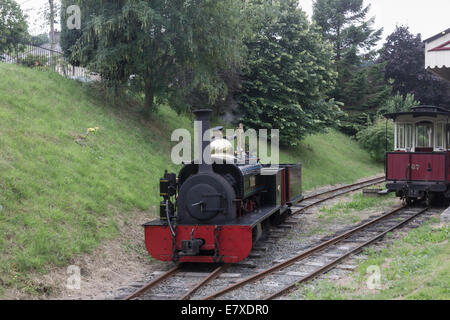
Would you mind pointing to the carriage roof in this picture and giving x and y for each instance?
(420, 111)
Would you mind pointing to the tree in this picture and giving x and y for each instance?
(13, 26)
(289, 73)
(365, 92)
(52, 13)
(398, 103)
(345, 24)
(367, 89)
(168, 48)
(69, 38)
(404, 57)
(40, 39)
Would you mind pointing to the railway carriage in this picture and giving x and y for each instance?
(419, 167)
(216, 212)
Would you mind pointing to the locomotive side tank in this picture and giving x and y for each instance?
(220, 209)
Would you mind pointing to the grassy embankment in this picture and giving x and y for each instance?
(62, 191)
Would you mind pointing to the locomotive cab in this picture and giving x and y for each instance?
(419, 166)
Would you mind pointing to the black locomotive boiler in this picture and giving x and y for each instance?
(216, 212)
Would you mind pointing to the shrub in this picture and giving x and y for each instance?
(375, 140)
(34, 61)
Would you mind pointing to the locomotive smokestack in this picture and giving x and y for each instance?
(204, 158)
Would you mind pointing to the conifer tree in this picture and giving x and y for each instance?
(345, 24)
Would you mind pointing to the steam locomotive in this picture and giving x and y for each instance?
(215, 211)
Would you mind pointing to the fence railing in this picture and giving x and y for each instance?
(44, 57)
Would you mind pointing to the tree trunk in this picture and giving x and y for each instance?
(149, 99)
(52, 24)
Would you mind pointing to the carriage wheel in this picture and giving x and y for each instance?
(429, 199)
(408, 201)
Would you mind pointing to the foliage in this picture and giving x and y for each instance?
(366, 92)
(168, 48)
(289, 73)
(344, 23)
(68, 38)
(367, 89)
(398, 103)
(354, 121)
(13, 26)
(375, 140)
(34, 61)
(40, 39)
(404, 56)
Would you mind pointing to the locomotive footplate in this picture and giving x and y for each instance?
(228, 243)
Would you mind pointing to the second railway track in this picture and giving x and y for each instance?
(318, 198)
(285, 276)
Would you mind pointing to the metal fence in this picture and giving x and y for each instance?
(45, 58)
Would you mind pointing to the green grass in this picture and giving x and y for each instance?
(62, 192)
(415, 267)
(331, 158)
(359, 202)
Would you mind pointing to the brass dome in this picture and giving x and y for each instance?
(222, 149)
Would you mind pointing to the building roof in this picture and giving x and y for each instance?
(437, 54)
(437, 36)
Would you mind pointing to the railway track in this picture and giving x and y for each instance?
(185, 281)
(318, 198)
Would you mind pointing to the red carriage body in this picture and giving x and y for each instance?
(419, 166)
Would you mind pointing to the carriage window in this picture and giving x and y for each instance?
(401, 136)
(425, 135)
(409, 136)
(439, 136)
